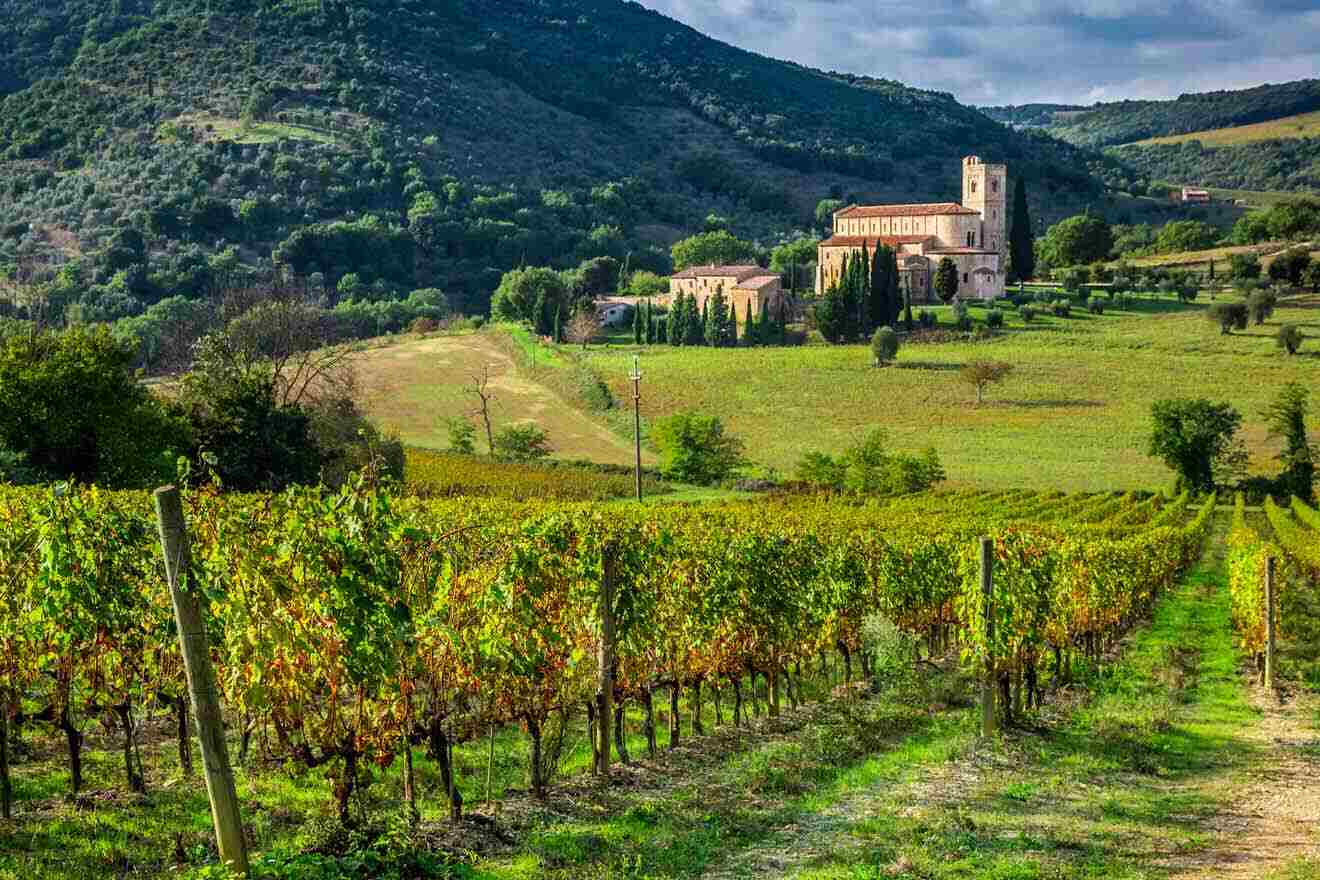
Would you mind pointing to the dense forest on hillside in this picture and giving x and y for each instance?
(1030, 115)
(1289, 165)
(1123, 122)
(158, 147)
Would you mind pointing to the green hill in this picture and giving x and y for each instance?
(1230, 139)
(435, 143)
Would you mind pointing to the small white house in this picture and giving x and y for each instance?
(613, 310)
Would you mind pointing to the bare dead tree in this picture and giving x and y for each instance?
(584, 327)
(481, 388)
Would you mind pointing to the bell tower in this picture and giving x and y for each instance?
(985, 191)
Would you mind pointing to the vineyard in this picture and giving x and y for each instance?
(349, 628)
(1291, 537)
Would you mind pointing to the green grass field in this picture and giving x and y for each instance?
(1301, 126)
(1073, 415)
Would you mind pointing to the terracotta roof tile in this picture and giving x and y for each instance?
(937, 208)
(759, 282)
(872, 240)
(739, 273)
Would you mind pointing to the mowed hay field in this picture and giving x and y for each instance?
(413, 386)
(1302, 125)
(1073, 416)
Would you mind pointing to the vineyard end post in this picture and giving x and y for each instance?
(1270, 601)
(988, 674)
(201, 681)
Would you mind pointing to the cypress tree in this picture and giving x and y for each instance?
(895, 294)
(650, 323)
(750, 334)
(559, 311)
(637, 324)
(878, 305)
(781, 326)
(864, 292)
(677, 314)
(763, 326)
(1021, 246)
(705, 321)
(694, 324)
(661, 330)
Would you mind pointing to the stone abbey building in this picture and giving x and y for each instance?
(972, 234)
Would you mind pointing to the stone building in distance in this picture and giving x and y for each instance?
(972, 234)
(742, 285)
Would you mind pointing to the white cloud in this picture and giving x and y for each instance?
(1018, 51)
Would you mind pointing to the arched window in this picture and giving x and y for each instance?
(971, 239)
(973, 184)
(994, 186)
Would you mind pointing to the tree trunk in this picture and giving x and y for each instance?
(347, 784)
(593, 736)
(1006, 696)
(698, 726)
(621, 733)
(773, 685)
(719, 707)
(847, 663)
(442, 750)
(132, 771)
(74, 738)
(675, 720)
(538, 781)
(185, 741)
(245, 742)
(410, 784)
(737, 702)
(648, 722)
(793, 688)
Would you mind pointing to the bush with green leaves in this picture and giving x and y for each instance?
(71, 406)
(1061, 308)
(522, 443)
(462, 435)
(695, 449)
(1197, 439)
(1229, 316)
(1028, 314)
(1290, 338)
(871, 467)
(994, 319)
(926, 319)
(962, 317)
(884, 346)
(1096, 307)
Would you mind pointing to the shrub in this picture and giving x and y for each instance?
(522, 443)
(1028, 314)
(884, 346)
(1244, 267)
(871, 468)
(1096, 307)
(1290, 338)
(694, 448)
(994, 319)
(423, 325)
(1229, 316)
(962, 319)
(926, 319)
(462, 436)
(1061, 308)
(1260, 305)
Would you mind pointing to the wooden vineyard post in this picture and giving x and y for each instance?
(988, 674)
(1269, 622)
(605, 697)
(201, 682)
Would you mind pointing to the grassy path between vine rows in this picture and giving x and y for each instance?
(1170, 764)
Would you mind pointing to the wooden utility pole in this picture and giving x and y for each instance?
(637, 420)
(988, 607)
(201, 681)
(605, 697)
(1269, 622)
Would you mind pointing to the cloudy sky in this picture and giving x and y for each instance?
(1020, 51)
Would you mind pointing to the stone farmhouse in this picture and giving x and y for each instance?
(742, 285)
(972, 234)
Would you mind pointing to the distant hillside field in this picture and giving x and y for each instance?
(1304, 125)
